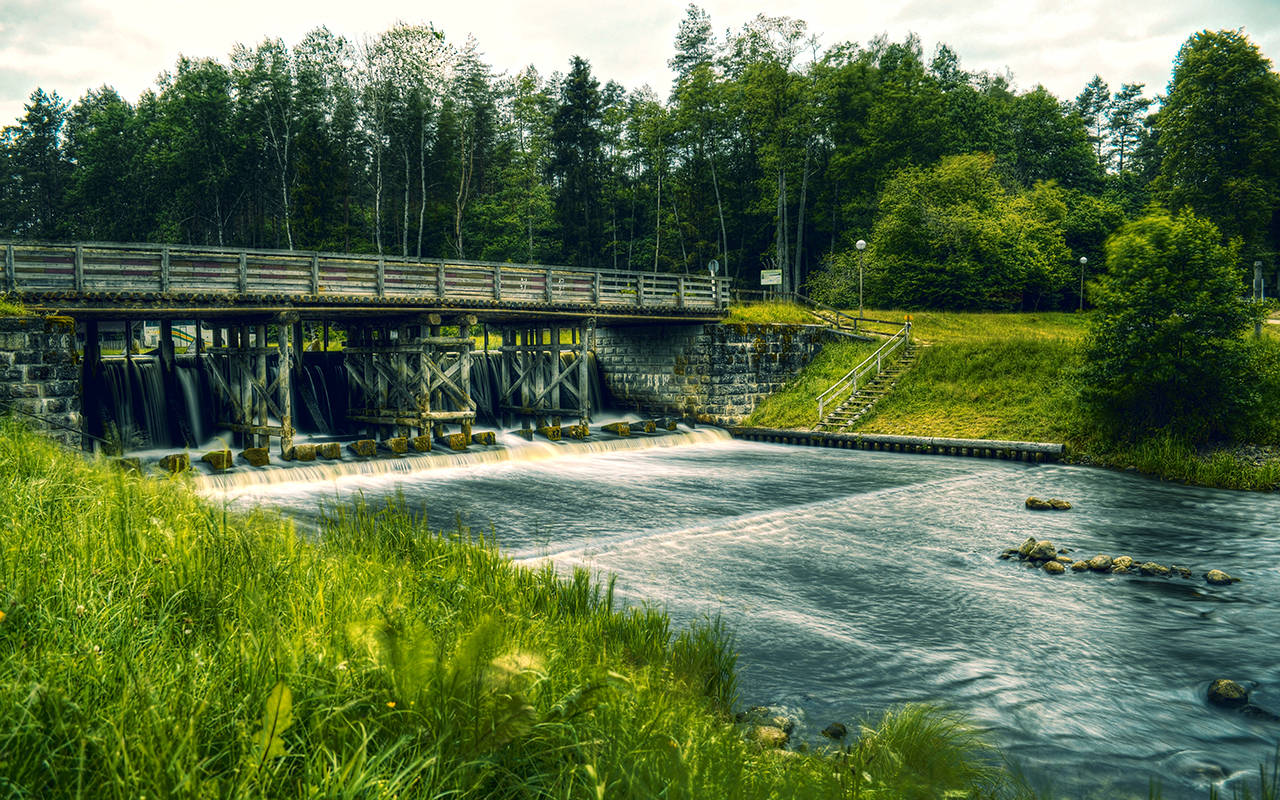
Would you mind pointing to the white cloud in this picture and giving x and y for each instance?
(73, 45)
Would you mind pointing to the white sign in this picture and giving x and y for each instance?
(770, 277)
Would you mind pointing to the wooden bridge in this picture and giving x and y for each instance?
(409, 327)
(172, 281)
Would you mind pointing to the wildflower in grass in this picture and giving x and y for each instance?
(80, 611)
(1, 616)
(391, 704)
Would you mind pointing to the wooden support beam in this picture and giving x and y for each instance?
(10, 281)
(261, 406)
(91, 388)
(285, 382)
(78, 268)
(164, 269)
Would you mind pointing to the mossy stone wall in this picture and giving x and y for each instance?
(39, 374)
(715, 373)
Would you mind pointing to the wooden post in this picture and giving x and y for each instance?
(10, 279)
(315, 273)
(299, 343)
(199, 341)
(585, 334)
(554, 400)
(78, 269)
(261, 405)
(164, 269)
(639, 288)
(539, 375)
(283, 331)
(244, 272)
(91, 385)
(680, 292)
(550, 296)
(437, 429)
(595, 288)
(440, 280)
(177, 423)
(324, 345)
(382, 277)
(497, 283)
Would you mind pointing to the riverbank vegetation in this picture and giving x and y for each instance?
(154, 643)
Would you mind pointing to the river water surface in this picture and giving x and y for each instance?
(857, 580)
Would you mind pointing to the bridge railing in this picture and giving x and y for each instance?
(145, 268)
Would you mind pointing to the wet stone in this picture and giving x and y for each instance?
(1100, 563)
(398, 445)
(176, 462)
(218, 459)
(256, 456)
(330, 450)
(484, 438)
(301, 452)
(1227, 693)
(1219, 578)
(365, 448)
(421, 444)
(1054, 567)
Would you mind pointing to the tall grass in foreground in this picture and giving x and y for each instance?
(154, 644)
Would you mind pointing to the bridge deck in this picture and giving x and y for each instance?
(188, 281)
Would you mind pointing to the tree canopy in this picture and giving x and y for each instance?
(770, 150)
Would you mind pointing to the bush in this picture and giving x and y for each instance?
(1167, 350)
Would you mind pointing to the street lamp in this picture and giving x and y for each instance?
(861, 244)
(1083, 261)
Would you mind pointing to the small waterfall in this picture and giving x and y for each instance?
(196, 400)
(512, 449)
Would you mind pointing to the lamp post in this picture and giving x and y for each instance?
(1083, 261)
(861, 244)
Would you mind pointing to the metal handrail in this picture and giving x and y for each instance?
(852, 377)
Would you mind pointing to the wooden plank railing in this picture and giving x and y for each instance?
(125, 269)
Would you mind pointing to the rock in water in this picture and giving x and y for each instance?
(619, 428)
(329, 450)
(1227, 693)
(398, 445)
(835, 730)
(1219, 578)
(1044, 551)
(1100, 563)
(364, 448)
(1054, 567)
(1121, 563)
(256, 456)
(1152, 568)
(1025, 549)
(484, 438)
(1050, 504)
(1079, 566)
(218, 459)
(175, 463)
(421, 444)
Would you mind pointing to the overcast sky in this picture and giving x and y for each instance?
(73, 45)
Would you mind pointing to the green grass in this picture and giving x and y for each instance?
(154, 644)
(795, 406)
(1009, 376)
(986, 376)
(775, 312)
(10, 307)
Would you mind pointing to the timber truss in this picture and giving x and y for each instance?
(535, 382)
(410, 377)
(259, 406)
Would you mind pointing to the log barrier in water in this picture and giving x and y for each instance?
(935, 445)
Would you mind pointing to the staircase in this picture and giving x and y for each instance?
(851, 397)
(860, 402)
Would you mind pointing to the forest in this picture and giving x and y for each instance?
(768, 151)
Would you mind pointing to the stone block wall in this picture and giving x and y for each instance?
(717, 373)
(39, 374)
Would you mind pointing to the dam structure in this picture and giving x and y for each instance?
(261, 342)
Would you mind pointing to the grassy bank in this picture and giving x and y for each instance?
(154, 644)
(1012, 376)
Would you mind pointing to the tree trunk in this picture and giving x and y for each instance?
(804, 188)
(404, 228)
(422, 178)
(780, 234)
(377, 194)
(715, 184)
(657, 224)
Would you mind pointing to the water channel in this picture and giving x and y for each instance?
(857, 580)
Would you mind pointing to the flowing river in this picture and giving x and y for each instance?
(857, 580)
